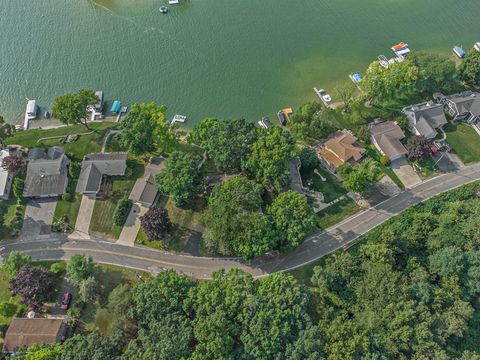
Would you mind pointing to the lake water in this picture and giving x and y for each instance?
(211, 58)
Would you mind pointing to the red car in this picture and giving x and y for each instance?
(66, 301)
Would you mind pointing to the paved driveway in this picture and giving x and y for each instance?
(132, 225)
(38, 217)
(405, 173)
(84, 216)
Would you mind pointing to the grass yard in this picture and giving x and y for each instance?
(465, 141)
(184, 220)
(102, 218)
(95, 316)
(331, 188)
(8, 209)
(428, 167)
(386, 170)
(84, 145)
(336, 213)
(69, 208)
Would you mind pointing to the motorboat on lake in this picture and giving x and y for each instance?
(401, 49)
(32, 109)
(457, 50)
(323, 95)
(163, 9)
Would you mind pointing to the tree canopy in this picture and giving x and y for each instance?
(469, 69)
(144, 130)
(34, 284)
(5, 130)
(72, 108)
(418, 148)
(358, 178)
(80, 268)
(268, 162)
(156, 223)
(228, 143)
(181, 177)
(309, 121)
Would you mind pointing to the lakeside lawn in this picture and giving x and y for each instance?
(69, 208)
(331, 188)
(91, 142)
(336, 213)
(465, 141)
(102, 217)
(96, 316)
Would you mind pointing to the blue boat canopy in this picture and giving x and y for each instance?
(116, 106)
(357, 77)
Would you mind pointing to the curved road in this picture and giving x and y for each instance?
(319, 244)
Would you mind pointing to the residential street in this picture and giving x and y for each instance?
(57, 247)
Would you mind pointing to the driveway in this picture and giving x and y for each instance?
(84, 216)
(38, 217)
(132, 225)
(448, 162)
(405, 173)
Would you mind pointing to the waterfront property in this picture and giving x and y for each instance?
(386, 136)
(95, 167)
(464, 106)
(339, 148)
(425, 118)
(47, 174)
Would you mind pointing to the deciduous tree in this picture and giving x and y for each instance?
(156, 223)
(418, 148)
(13, 164)
(72, 108)
(35, 285)
(5, 130)
(469, 69)
(14, 262)
(80, 268)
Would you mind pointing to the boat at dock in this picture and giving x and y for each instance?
(458, 50)
(177, 118)
(356, 77)
(174, 2)
(99, 104)
(323, 95)
(477, 46)
(30, 113)
(401, 49)
(115, 106)
(282, 118)
(382, 59)
(265, 123)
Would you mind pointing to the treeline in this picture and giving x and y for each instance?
(409, 290)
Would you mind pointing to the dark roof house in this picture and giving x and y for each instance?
(339, 148)
(463, 106)
(386, 137)
(145, 190)
(95, 167)
(24, 332)
(47, 174)
(424, 118)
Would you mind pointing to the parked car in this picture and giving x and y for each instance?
(66, 301)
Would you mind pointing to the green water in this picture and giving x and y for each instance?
(222, 58)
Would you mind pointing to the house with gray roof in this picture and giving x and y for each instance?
(425, 118)
(464, 106)
(97, 166)
(145, 191)
(47, 174)
(386, 137)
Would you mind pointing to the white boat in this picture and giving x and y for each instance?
(323, 95)
(401, 49)
(265, 123)
(32, 109)
(477, 46)
(174, 2)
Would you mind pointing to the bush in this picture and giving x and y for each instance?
(61, 225)
(121, 211)
(74, 170)
(58, 268)
(21, 310)
(66, 197)
(7, 309)
(385, 160)
(18, 185)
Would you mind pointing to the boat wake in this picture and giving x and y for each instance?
(146, 29)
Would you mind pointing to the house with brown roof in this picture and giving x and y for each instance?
(386, 136)
(145, 191)
(24, 332)
(340, 147)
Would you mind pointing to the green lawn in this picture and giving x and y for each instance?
(184, 221)
(7, 214)
(84, 145)
(427, 166)
(71, 207)
(465, 141)
(102, 217)
(386, 170)
(331, 188)
(95, 316)
(336, 213)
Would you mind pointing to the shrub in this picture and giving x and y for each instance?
(18, 185)
(308, 157)
(121, 211)
(58, 268)
(7, 309)
(66, 197)
(14, 262)
(74, 170)
(385, 160)
(61, 225)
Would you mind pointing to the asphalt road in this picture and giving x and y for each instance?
(56, 247)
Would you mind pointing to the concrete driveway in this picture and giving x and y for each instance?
(405, 172)
(38, 217)
(84, 216)
(132, 225)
